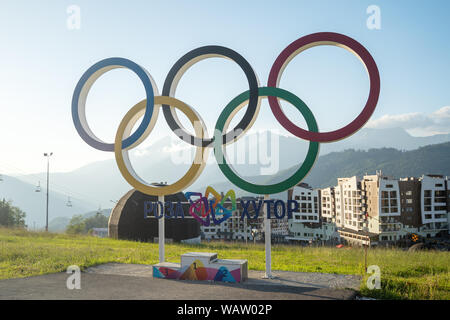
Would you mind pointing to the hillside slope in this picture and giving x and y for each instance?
(432, 159)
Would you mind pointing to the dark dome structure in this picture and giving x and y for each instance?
(127, 219)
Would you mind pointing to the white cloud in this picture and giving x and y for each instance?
(416, 123)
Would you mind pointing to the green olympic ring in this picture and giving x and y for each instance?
(224, 119)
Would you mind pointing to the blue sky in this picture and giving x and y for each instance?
(41, 61)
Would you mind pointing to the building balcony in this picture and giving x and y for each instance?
(434, 228)
(391, 229)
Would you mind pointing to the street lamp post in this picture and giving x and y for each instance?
(48, 155)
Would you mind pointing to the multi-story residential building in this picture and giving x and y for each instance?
(434, 206)
(328, 205)
(348, 206)
(329, 218)
(406, 206)
(305, 224)
(308, 211)
(448, 205)
(375, 209)
(410, 215)
(381, 206)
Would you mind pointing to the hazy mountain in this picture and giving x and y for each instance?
(396, 138)
(24, 196)
(101, 182)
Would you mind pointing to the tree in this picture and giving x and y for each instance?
(80, 225)
(76, 225)
(11, 216)
(97, 221)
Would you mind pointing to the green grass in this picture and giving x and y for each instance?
(404, 275)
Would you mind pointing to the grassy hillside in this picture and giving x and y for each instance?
(392, 162)
(404, 275)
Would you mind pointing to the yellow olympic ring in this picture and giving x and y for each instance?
(124, 131)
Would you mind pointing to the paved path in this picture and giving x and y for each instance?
(126, 281)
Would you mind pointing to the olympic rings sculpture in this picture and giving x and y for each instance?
(148, 109)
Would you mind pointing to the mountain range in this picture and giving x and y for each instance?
(99, 183)
(33, 203)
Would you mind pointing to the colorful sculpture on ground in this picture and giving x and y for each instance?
(228, 271)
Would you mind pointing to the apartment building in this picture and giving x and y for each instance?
(348, 204)
(409, 205)
(328, 214)
(435, 203)
(328, 205)
(376, 209)
(381, 206)
(305, 225)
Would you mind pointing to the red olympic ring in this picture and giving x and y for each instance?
(316, 39)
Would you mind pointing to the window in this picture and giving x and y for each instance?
(389, 186)
(408, 193)
(439, 196)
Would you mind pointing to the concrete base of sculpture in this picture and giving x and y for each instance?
(203, 266)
